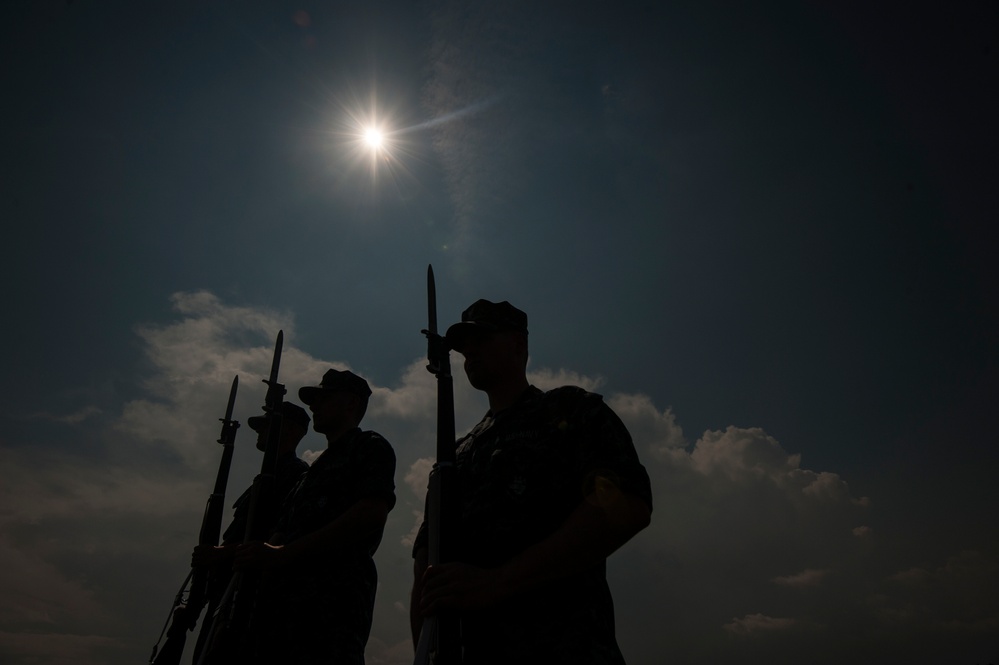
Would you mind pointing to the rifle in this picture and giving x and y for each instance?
(184, 616)
(440, 636)
(228, 640)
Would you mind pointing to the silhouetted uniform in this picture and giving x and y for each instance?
(521, 474)
(321, 612)
(286, 474)
(288, 469)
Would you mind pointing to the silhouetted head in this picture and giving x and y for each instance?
(483, 316)
(493, 339)
(294, 426)
(338, 402)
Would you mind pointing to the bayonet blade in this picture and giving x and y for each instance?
(276, 362)
(431, 300)
(229, 425)
(232, 399)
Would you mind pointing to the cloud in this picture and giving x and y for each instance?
(74, 418)
(194, 361)
(753, 623)
(546, 379)
(805, 578)
(739, 529)
(36, 592)
(651, 428)
(54, 649)
(742, 455)
(961, 593)
(415, 396)
(75, 538)
(416, 477)
(310, 456)
(71, 486)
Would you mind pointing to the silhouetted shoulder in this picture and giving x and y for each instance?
(374, 467)
(603, 446)
(371, 437)
(573, 401)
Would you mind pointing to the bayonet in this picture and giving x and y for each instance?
(185, 619)
(438, 360)
(431, 301)
(227, 421)
(216, 504)
(271, 380)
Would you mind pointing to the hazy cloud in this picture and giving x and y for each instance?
(757, 622)
(50, 649)
(805, 578)
(546, 379)
(656, 429)
(73, 418)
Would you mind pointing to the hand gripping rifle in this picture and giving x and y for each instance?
(440, 636)
(185, 614)
(229, 640)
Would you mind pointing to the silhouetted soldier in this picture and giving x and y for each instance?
(550, 485)
(289, 468)
(318, 594)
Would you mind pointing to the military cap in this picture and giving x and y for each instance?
(289, 410)
(486, 316)
(333, 381)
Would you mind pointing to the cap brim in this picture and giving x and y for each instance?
(256, 423)
(308, 394)
(459, 333)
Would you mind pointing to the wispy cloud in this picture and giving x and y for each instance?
(754, 623)
(74, 418)
(805, 578)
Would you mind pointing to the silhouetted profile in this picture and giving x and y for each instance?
(317, 596)
(550, 485)
(289, 468)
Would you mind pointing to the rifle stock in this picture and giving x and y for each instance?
(185, 618)
(440, 636)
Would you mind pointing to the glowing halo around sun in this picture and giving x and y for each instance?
(373, 137)
(381, 139)
(376, 142)
(373, 140)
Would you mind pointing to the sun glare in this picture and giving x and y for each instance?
(373, 137)
(371, 140)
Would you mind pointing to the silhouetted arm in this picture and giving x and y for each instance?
(363, 518)
(599, 525)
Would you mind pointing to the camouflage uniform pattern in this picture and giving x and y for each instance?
(321, 613)
(521, 474)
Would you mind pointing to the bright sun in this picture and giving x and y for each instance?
(373, 137)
